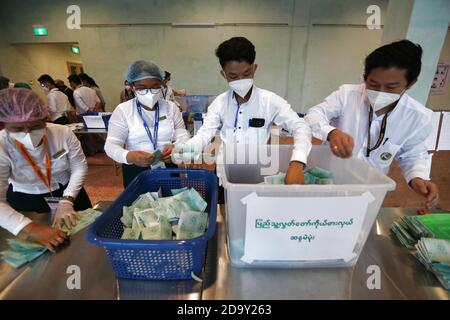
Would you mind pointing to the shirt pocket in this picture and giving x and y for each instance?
(383, 156)
(256, 135)
(166, 130)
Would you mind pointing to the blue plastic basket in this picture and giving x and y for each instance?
(156, 259)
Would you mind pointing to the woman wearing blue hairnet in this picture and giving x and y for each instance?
(142, 131)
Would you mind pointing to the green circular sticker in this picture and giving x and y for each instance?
(385, 156)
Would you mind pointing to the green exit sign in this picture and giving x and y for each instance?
(40, 31)
(75, 50)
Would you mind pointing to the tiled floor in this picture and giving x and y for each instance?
(104, 183)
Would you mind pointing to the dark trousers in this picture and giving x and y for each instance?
(36, 202)
(61, 120)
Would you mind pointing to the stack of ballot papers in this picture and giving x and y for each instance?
(412, 228)
(314, 175)
(434, 254)
(152, 217)
(21, 252)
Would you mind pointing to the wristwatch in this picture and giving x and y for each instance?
(69, 198)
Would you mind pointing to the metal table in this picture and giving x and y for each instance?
(402, 277)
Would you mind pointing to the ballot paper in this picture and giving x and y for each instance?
(410, 229)
(152, 217)
(313, 175)
(434, 254)
(21, 252)
(432, 138)
(444, 136)
(94, 122)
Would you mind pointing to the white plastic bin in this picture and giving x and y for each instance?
(352, 177)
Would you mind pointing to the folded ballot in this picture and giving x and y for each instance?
(21, 252)
(434, 254)
(181, 216)
(314, 175)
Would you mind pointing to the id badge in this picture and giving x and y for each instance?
(53, 203)
(59, 154)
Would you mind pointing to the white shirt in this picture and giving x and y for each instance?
(126, 131)
(85, 99)
(58, 104)
(408, 126)
(70, 168)
(262, 104)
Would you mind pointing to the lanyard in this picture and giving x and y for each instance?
(237, 114)
(164, 93)
(382, 132)
(48, 162)
(154, 138)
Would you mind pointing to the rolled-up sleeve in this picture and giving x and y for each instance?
(78, 165)
(320, 116)
(10, 219)
(117, 136)
(289, 120)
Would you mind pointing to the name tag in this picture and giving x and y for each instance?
(59, 154)
(162, 118)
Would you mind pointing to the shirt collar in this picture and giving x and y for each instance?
(252, 96)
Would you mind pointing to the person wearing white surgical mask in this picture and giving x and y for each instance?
(378, 121)
(139, 127)
(244, 114)
(42, 169)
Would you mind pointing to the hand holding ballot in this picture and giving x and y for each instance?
(140, 158)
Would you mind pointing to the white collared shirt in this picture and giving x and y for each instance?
(263, 104)
(14, 169)
(58, 104)
(126, 131)
(85, 99)
(408, 126)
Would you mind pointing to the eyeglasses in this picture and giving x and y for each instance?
(145, 91)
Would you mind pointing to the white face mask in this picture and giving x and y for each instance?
(241, 87)
(31, 139)
(149, 99)
(379, 100)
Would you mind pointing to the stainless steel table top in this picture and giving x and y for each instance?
(402, 277)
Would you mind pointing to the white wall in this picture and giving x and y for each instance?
(321, 45)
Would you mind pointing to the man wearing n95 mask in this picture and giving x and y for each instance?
(246, 112)
(38, 162)
(378, 121)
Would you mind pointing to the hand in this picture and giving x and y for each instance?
(294, 174)
(49, 237)
(140, 158)
(66, 213)
(167, 152)
(427, 189)
(341, 144)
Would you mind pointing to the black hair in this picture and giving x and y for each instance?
(88, 79)
(45, 78)
(236, 49)
(402, 54)
(4, 82)
(74, 79)
(167, 74)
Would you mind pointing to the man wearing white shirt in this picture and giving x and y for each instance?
(86, 99)
(245, 113)
(378, 121)
(58, 103)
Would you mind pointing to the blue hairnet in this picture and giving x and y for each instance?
(141, 69)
